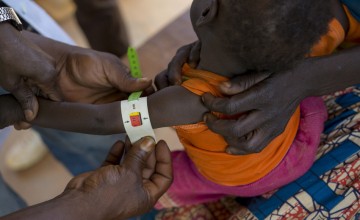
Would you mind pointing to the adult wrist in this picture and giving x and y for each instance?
(74, 204)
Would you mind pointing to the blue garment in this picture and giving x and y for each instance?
(354, 7)
(79, 153)
(9, 200)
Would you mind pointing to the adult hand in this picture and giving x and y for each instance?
(84, 75)
(172, 75)
(127, 188)
(22, 62)
(89, 76)
(267, 101)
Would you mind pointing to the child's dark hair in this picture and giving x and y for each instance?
(274, 34)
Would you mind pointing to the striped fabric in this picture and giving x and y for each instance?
(329, 190)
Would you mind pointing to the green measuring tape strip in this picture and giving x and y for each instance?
(134, 70)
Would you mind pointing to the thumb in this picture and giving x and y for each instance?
(119, 77)
(27, 100)
(139, 153)
(243, 82)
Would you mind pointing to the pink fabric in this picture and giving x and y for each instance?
(190, 187)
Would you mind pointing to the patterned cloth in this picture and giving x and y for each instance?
(329, 190)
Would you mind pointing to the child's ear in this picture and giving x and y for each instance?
(208, 13)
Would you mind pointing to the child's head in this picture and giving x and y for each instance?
(260, 34)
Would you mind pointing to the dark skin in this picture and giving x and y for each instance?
(117, 190)
(105, 119)
(271, 101)
(59, 72)
(91, 77)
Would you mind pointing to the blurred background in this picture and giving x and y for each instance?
(47, 178)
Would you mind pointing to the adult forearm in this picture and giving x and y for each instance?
(325, 75)
(69, 205)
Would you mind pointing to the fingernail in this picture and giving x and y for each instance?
(147, 144)
(205, 118)
(226, 84)
(29, 115)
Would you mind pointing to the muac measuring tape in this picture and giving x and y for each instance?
(135, 114)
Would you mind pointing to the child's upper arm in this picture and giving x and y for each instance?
(175, 105)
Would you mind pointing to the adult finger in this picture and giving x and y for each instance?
(243, 82)
(44, 79)
(253, 142)
(236, 104)
(163, 175)
(150, 165)
(22, 125)
(119, 77)
(10, 111)
(236, 128)
(50, 92)
(27, 100)
(127, 83)
(115, 154)
(138, 154)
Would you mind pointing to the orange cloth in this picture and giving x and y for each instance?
(336, 36)
(330, 41)
(353, 34)
(207, 149)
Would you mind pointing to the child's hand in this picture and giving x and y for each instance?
(10, 111)
(172, 75)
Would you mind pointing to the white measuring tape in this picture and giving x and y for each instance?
(136, 119)
(135, 113)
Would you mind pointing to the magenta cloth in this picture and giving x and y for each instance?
(190, 187)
